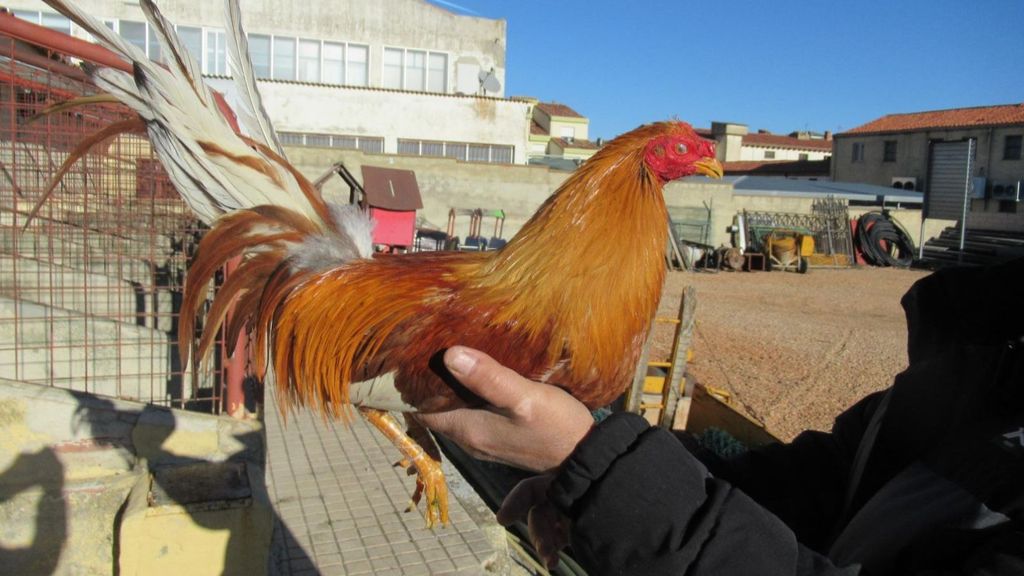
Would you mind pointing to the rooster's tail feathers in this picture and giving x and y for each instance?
(214, 170)
(280, 249)
(251, 114)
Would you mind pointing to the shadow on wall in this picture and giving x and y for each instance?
(37, 552)
(96, 485)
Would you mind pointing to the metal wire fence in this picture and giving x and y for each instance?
(90, 288)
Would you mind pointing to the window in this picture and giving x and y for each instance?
(492, 153)
(56, 22)
(371, 145)
(357, 65)
(364, 143)
(284, 59)
(192, 38)
(416, 70)
(334, 63)
(133, 32)
(437, 74)
(567, 132)
(804, 156)
(769, 154)
(455, 151)
(435, 149)
(45, 19)
(216, 53)
(322, 140)
(858, 152)
(291, 138)
(309, 60)
(259, 53)
(889, 153)
(1012, 147)
(392, 77)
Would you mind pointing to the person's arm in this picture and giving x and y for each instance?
(638, 501)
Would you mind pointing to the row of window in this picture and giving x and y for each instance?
(1012, 145)
(369, 144)
(490, 153)
(465, 151)
(284, 57)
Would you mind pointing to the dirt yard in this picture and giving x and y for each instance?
(793, 349)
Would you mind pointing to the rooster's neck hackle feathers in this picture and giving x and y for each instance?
(588, 267)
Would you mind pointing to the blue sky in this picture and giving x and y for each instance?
(780, 65)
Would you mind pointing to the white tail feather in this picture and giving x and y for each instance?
(182, 118)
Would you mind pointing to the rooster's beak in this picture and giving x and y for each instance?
(709, 167)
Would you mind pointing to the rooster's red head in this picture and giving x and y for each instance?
(681, 152)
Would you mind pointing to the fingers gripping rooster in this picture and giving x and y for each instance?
(567, 301)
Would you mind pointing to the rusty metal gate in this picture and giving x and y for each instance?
(89, 289)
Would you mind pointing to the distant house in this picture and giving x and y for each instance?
(559, 134)
(923, 150)
(796, 155)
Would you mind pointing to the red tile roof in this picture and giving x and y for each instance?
(536, 128)
(777, 141)
(556, 109)
(954, 118)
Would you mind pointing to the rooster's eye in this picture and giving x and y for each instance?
(680, 148)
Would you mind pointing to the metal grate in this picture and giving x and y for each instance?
(89, 289)
(828, 222)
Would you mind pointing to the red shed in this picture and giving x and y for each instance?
(392, 197)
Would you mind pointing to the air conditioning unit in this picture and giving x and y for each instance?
(1008, 191)
(904, 182)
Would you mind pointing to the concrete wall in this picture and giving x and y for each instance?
(88, 483)
(519, 191)
(445, 184)
(393, 115)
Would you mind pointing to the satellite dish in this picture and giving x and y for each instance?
(489, 82)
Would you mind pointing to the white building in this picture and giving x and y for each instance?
(392, 76)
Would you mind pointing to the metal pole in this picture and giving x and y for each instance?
(967, 190)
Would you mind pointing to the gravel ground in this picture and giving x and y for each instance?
(794, 350)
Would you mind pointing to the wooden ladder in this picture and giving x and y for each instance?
(675, 390)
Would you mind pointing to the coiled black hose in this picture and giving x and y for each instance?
(883, 241)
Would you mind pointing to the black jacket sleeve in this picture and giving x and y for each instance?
(803, 482)
(640, 503)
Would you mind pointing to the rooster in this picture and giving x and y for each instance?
(567, 301)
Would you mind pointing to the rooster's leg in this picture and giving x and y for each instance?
(419, 451)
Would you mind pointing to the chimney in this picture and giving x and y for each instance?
(729, 137)
(828, 135)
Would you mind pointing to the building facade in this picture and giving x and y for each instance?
(392, 76)
(559, 133)
(898, 148)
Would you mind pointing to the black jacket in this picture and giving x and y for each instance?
(924, 478)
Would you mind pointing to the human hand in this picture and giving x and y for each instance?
(525, 424)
